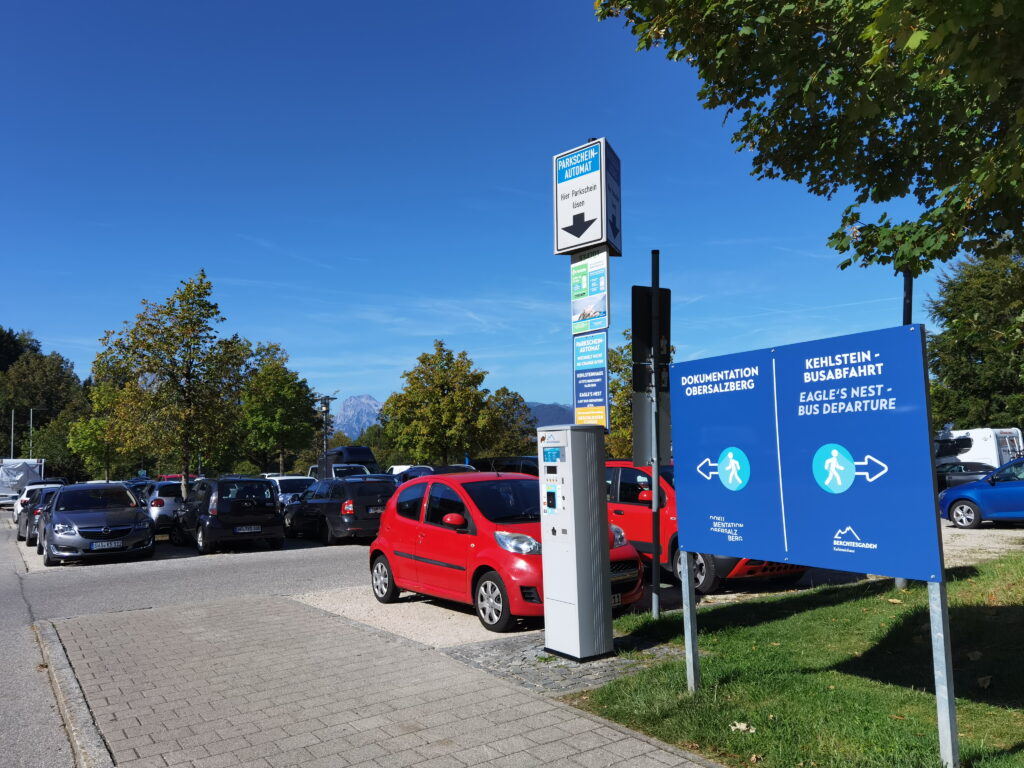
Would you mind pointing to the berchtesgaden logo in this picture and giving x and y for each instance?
(847, 540)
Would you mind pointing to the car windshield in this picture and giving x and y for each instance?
(172, 491)
(94, 498)
(372, 490)
(509, 500)
(246, 489)
(295, 485)
(344, 470)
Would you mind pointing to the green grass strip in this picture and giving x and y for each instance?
(837, 676)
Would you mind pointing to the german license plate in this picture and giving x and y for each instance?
(616, 599)
(114, 544)
(375, 510)
(248, 528)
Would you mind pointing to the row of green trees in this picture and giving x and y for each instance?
(168, 394)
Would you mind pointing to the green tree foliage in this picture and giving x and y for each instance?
(46, 384)
(278, 411)
(376, 439)
(178, 383)
(619, 442)
(437, 416)
(509, 428)
(51, 443)
(13, 344)
(95, 437)
(977, 362)
(886, 97)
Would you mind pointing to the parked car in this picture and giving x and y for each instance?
(228, 509)
(23, 497)
(345, 508)
(163, 500)
(289, 487)
(87, 520)
(999, 495)
(419, 470)
(475, 538)
(524, 464)
(28, 519)
(950, 475)
(629, 506)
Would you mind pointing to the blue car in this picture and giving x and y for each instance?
(999, 495)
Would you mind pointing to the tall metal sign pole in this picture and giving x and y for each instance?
(588, 228)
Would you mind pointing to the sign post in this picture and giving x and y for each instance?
(818, 454)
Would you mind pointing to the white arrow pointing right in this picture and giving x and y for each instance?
(881, 468)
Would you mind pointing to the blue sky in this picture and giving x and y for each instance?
(358, 180)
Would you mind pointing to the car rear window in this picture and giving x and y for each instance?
(371, 490)
(506, 501)
(169, 491)
(296, 485)
(245, 489)
(94, 498)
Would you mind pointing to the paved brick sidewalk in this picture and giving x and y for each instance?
(273, 682)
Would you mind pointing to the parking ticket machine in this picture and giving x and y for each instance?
(574, 541)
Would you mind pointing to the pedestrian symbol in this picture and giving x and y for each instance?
(834, 468)
(733, 468)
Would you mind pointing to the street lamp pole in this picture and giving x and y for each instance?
(12, 433)
(325, 410)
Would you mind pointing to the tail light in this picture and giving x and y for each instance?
(37, 511)
(213, 503)
(156, 503)
(348, 508)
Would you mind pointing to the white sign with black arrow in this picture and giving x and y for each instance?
(588, 198)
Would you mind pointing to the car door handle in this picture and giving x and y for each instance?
(618, 512)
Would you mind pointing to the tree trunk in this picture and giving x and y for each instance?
(280, 461)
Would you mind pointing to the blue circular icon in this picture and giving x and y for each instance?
(834, 468)
(733, 468)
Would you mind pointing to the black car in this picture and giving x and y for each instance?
(525, 464)
(949, 475)
(343, 508)
(419, 470)
(226, 509)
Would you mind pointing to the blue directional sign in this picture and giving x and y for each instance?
(814, 454)
(590, 378)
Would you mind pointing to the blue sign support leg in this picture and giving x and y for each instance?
(689, 622)
(942, 659)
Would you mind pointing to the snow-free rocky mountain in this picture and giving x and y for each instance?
(358, 412)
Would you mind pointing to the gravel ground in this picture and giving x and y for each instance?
(967, 547)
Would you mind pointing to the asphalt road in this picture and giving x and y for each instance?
(31, 732)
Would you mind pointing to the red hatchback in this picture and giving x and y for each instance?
(475, 538)
(629, 506)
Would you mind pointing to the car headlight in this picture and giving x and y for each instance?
(143, 523)
(63, 529)
(519, 543)
(618, 536)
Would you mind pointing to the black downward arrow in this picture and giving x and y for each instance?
(580, 224)
(613, 225)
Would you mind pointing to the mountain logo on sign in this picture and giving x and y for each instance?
(847, 530)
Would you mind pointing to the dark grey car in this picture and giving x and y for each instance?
(344, 508)
(28, 518)
(93, 519)
(229, 509)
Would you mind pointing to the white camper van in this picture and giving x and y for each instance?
(988, 446)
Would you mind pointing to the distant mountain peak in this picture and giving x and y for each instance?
(355, 414)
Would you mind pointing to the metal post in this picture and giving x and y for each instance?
(689, 621)
(908, 306)
(942, 660)
(655, 458)
(12, 433)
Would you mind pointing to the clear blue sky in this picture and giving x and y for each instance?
(359, 179)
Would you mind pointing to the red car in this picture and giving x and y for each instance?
(475, 538)
(629, 506)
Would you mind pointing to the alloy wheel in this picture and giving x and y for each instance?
(489, 602)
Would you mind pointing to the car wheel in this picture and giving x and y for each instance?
(705, 576)
(49, 560)
(30, 538)
(202, 543)
(39, 543)
(491, 601)
(18, 534)
(327, 534)
(177, 536)
(276, 543)
(965, 514)
(147, 553)
(289, 529)
(382, 581)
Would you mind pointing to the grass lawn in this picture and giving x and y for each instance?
(837, 676)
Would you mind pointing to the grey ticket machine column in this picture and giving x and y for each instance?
(574, 541)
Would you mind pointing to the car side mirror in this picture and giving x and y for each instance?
(454, 520)
(646, 496)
